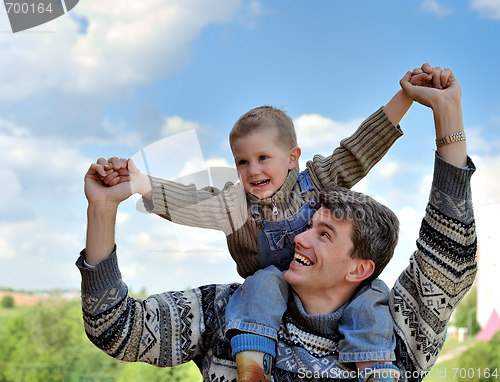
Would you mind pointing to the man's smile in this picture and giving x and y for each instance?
(302, 260)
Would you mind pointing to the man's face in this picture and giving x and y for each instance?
(322, 255)
(262, 165)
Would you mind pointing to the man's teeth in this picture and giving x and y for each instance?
(303, 260)
(260, 183)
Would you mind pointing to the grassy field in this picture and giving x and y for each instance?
(6, 314)
(445, 371)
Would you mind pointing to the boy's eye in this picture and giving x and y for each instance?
(263, 157)
(241, 162)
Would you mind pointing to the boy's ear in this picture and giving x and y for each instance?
(362, 271)
(294, 156)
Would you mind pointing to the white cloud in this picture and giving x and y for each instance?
(477, 143)
(125, 44)
(434, 7)
(485, 182)
(172, 256)
(13, 205)
(388, 169)
(315, 132)
(487, 8)
(218, 162)
(176, 124)
(6, 250)
(39, 166)
(36, 256)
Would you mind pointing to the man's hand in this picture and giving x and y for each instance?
(96, 191)
(442, 94)
(432, 87)
(120, 170)
(116, 170)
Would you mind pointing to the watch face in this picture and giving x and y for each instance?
(26, 14)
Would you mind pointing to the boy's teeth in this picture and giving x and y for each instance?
(303, 260)
(260, 183)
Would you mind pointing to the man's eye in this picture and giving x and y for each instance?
(308, 226)
(326, 235)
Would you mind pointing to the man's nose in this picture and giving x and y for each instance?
(302, 239)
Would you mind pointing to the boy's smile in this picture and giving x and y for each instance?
(262, 164)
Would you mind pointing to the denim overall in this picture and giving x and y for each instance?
(258, 305)
(275, 239)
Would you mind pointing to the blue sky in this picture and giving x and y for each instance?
(111, 78)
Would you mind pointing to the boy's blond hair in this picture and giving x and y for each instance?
(262, 118)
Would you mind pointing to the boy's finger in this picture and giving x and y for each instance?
(427, 68)
(422, 79)
(445, 77)
(109, 178)
(115, 162)
(436, 78)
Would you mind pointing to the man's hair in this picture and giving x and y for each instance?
(375, 226)
(261, 119)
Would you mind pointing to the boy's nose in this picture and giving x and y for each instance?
(253, 169)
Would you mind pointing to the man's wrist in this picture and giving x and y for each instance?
(103, 206)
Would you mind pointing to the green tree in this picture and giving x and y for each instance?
(465, 314)
(47, 342)
(7, 301)
(481, 363)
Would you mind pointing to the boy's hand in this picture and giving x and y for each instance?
(446, 92)
(428, 76)
(116, 171)
(120, 170)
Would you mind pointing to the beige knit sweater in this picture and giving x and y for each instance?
(228, 209)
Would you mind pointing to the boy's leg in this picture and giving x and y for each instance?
(381, 372)
(253, 318)
(368, 335)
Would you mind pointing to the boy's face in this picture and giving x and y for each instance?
(263, 165)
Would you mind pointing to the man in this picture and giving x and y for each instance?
(175, 327)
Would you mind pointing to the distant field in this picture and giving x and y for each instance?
(21, 298)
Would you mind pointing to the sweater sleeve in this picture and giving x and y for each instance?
(163, 330)
(441, 270)
(357, 154)
(224, 210)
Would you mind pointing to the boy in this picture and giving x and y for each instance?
(271, 204)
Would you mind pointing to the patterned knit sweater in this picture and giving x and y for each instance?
(228, 210)
(176, 327)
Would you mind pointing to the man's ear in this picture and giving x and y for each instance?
(294, 156)
(362, 271)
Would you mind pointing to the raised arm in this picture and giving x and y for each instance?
(357, 154)
(103, 204)
(443, 267)
(128, 329)
(186, 204)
